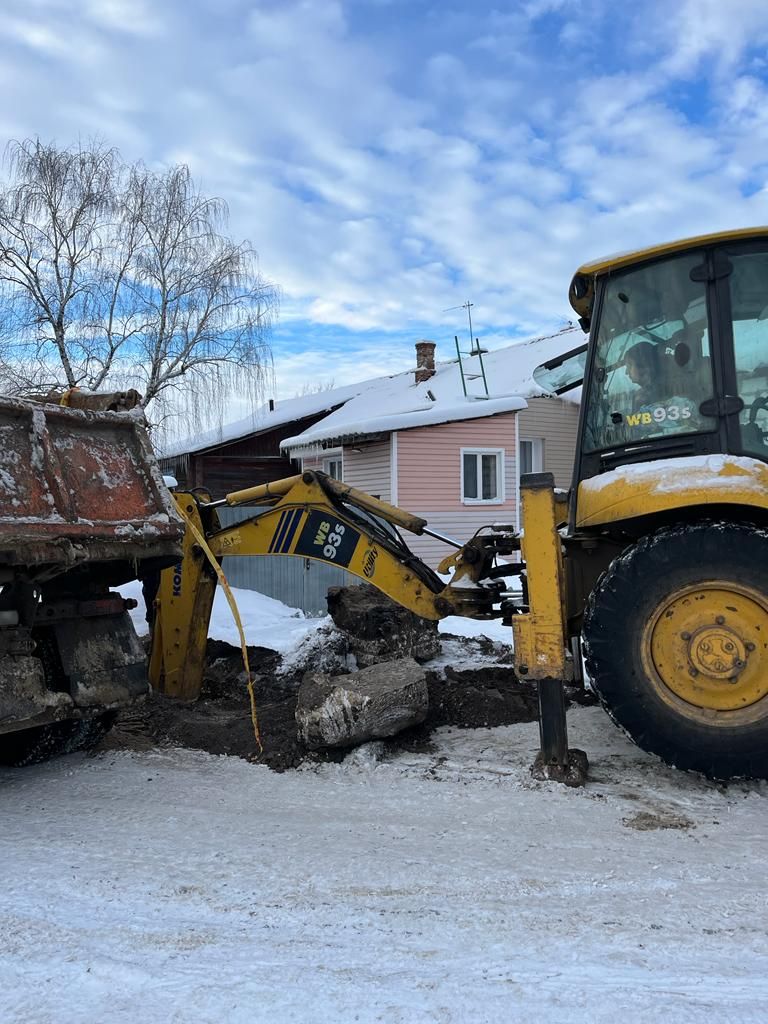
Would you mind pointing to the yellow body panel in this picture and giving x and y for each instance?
(540, 641)
(619, 260)
(182, 613)
(664, 484)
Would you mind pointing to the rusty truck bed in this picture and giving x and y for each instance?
(80, 486)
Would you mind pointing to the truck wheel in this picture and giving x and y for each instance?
(676, 643)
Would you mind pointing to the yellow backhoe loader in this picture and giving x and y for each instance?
(661, 563)
(655, 563)
(657, 558)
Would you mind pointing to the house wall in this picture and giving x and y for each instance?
(556, 422)
(429, 479)
(312, 462)
(369, 469)
(246, 462)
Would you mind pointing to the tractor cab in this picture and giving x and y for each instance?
(678, 352)
(662, 569)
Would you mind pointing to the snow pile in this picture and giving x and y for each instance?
(266, 622)
(444, 886)
(668, 476)
(272, 624)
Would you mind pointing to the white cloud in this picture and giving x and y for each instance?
(135, 17)
(709, 32)
(389, 167)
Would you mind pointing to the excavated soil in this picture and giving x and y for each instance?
(220, 720)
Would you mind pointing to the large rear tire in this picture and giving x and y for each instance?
(676, 643)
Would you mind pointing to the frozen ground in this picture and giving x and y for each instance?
(444, 886)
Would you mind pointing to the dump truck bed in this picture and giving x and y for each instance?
(80, 486)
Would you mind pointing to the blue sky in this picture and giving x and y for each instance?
(390, 159)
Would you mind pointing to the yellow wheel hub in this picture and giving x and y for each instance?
(708, 645)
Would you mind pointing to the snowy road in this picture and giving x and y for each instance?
(174, 886)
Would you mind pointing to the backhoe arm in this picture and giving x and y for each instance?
(307, 516)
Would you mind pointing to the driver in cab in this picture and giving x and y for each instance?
(642, 365)
(656, 408)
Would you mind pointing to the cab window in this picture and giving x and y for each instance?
(749, 308)
(652, 365)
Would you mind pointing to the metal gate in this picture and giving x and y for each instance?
(297, 582)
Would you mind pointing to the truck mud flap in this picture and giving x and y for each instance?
(103, 661)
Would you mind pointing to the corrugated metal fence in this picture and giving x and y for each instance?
(298, 582)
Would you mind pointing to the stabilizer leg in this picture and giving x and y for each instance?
(555, 762)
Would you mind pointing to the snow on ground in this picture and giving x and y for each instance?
(441, 886)
(457, 625)
(448, 886)
(266, 622)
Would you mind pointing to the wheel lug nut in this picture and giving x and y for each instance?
(720, 620)
(685, 636)
(693, 671)
(750, 646)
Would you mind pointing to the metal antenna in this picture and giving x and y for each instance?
(468, 306)
(474, 350)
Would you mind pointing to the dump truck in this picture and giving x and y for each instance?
(652, 570)
(83, 508)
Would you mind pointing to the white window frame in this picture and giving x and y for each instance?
(500, 477)
(335, 457)
(537, 454)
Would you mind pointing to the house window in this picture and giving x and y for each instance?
(532, 455)
(482, 475)
(333, 467)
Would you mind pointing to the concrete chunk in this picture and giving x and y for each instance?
(344, 711)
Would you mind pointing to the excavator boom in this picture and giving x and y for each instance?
(308, 516)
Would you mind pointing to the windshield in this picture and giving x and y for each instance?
(652, 365)
(563, 373)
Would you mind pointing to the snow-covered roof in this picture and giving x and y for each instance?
(382, 404)
(398, 403)
(265, 418)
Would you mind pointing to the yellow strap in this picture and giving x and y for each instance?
(236, 616)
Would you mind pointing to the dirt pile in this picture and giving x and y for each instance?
(220, 721)
(378, 629)
(470, 682)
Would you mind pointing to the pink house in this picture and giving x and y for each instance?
(434, 442)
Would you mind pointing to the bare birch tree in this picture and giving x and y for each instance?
(206, 310)
(53, 219)
(116, 276)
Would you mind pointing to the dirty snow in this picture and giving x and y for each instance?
(440, 886)
(702, 471)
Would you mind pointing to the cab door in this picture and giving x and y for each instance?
(742, 301)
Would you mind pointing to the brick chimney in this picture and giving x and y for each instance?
(425, 361)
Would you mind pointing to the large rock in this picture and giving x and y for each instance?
(343, 711)
(380, 630)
